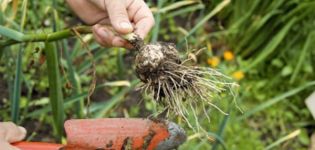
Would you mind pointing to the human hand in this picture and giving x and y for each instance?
(124, 16)
(10, 133)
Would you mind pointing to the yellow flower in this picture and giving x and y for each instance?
(213, 61)
(238, 75)
(228, 55)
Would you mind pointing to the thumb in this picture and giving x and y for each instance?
(118, 16)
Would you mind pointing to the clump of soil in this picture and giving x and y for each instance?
(171, 82)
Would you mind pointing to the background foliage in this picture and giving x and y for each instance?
(266, 46)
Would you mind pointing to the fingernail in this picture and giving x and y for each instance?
(22, 129)
(125, 25)
(103, 33)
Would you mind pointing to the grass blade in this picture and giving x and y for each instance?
(307, 47)
(272, 45)
(254, 29)
(86, 64)
(68, 102)
(12, 34)
(76, 87)
(217, 9)
(217, 138)
(276, 99)
(221, 130)
(185, 10)
(283, 139)
(55, 87)
(120, 64)
(15, 107)
(100, 109)
(155, 31)
(173, 6)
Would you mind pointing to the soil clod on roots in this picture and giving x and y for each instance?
(177, 86)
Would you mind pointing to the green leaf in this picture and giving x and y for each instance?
(275, 100)
(15, 107)
(75, 98)
(155, 31)
(284, 139)
(309, 44)
(216, 10)
(219, 133)
(275, 41)
(12, 34)
(99, 109)
(74, 80)
(55, 87)
(287, 70)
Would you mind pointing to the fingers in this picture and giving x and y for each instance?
(142, 17)
(121, 13)
(102, 35)
(6, 146)
(143, 27)
(87, 11)
(118, 15)
(10, 132)
(106, 38)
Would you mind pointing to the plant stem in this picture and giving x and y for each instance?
(157, 19)
(75, 82)
(216, 10)
(42, 37)
(55, 87)
(16, 37)
(15, 107)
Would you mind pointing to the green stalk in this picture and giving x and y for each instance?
(288, 137)
(15, 107)
(76, 87)
(10, 33)
(55, 35)
(18, 37)
(185, 10)
(271, 47)
(307, 47)
(155, 33)
(68, 102)
(100, 109)
(120, 64)
(275, 100)
(55, 87)
(216, 10)
(222, 126)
